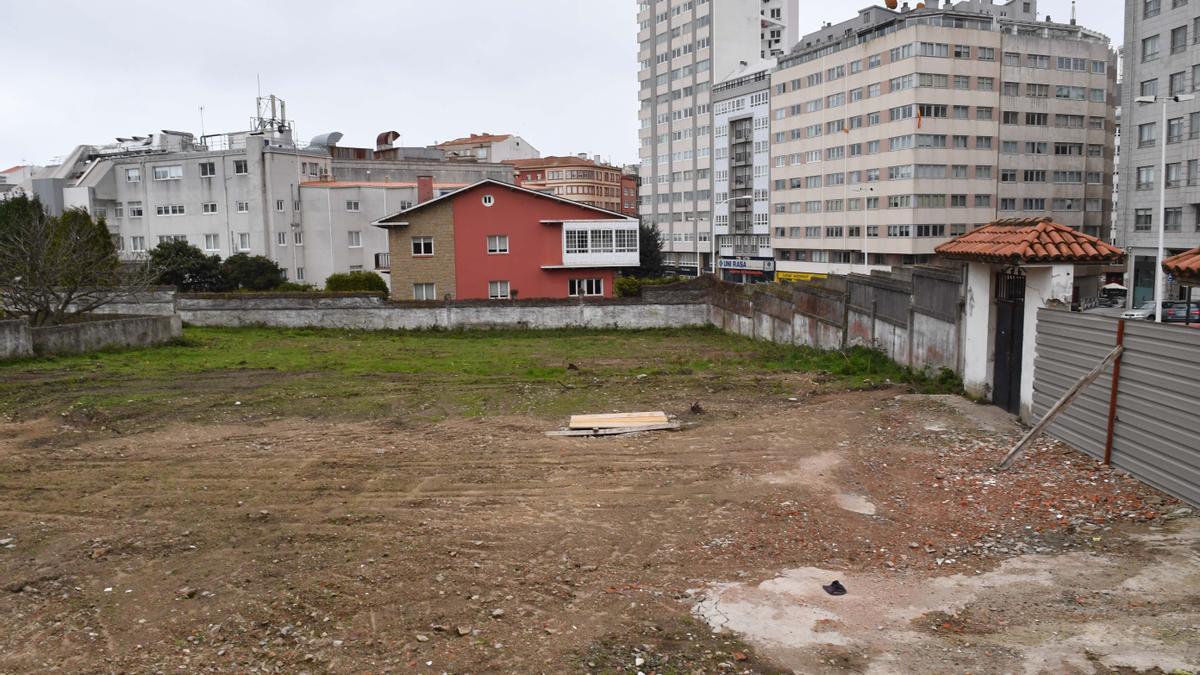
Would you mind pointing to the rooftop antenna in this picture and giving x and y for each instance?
(201, 121)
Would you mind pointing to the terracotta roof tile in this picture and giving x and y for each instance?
(1185, 266)
(551, 161)
(1029, 240)
(474, 139)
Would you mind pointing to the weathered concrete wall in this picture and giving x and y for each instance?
(15, 340)
(108, 333)
(159, 301)
(934, 343)
(364, 314)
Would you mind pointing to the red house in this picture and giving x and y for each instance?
(493, 240)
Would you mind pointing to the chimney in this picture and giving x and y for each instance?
(424, 189)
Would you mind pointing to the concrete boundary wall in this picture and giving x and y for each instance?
(18, 339)
(15, 339)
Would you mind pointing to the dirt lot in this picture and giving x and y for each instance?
(479, 545)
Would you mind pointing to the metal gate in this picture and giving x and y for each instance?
(1010, 328)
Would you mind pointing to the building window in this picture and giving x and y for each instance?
(241, 167)
(422, 246)
(1143, 220)
(208, 169)
(298, 238)
(1149, 48)
(352, 205)
(170, 210)
(488, 200)
(355, 238)
(279, 206)
(299, 274)
(497, 243)
(173, 172)
(212, 242)
(585, 287)
(135, 209)
(281, 238)
(168, 238)
(1173, 219)
(118, 211)
(137, 244)
(243, 241)
(133, 175)
(498, 290)
(208, 208)
(425, 291)
(243, 207)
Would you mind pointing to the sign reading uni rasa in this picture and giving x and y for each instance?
(738, 264)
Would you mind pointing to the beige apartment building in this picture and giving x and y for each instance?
(899, 129)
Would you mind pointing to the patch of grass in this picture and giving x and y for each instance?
(240, 373)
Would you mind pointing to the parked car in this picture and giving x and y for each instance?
(1179, 312)
(1145, 311)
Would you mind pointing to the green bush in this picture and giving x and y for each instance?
(355, 281)
(627, 287)
(252, 272)
(293, 287)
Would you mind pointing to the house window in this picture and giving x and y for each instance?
(243, 207)
(169, 210)
(497, 243)
(281, 238)
(133, 175)
(173, 172)
(135, 209)
(212, 242)
(352, 205)
(137, 244)
(355, 237)
(299, 274)
(168, 238)
(498, 290)
(241, 167)
(422, 246)
(585, 287)
(488, 200)
(118, 211)
(208, 169)
(426, 291)
(298, 238)
(243, 241)
(279, 206)
(208, 208)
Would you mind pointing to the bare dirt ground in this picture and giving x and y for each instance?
(482, 546)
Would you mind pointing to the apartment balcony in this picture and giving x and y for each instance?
(742, 159)
(383, 262)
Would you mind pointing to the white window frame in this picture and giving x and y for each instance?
(137, 243)
(422, 240)
(590, 287)
(298, 238)
(352, 206)
(215, 242)
(497, 244)
(208, 208)
(241, 164)
(133, 175)
(279, 206)
(243, 241)
(420, 291)
(354, 238)
(170, 172)
(281, 238)
(243, 207)
(499, 290)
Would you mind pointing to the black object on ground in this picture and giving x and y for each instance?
(836, 588)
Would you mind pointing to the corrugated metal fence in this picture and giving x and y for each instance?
(1157, 430)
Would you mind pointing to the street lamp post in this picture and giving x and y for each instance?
(713, 243)
(1162, 194)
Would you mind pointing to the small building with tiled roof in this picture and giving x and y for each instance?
(1185, 267)
(580, 179)
(1016, 267)
(489, 147)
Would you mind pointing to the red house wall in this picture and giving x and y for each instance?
(531, 244)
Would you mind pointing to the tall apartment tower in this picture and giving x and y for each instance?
(898, 129)
(684, 47)
(1162, 59)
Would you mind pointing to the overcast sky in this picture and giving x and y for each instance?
(560, 73)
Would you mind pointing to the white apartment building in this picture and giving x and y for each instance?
(899, 129)
(684, 47)
(742, 174)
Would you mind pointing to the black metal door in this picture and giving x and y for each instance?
(1010, 324)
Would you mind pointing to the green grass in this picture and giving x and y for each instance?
(214, 374)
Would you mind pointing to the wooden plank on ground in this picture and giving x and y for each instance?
(669, 426)
(617, 420)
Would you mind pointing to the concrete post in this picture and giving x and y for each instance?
(977, 333)
(1047, 286)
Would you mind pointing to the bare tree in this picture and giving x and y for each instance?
(54, 267)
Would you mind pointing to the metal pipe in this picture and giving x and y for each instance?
(1112, 396)
(1159, 291)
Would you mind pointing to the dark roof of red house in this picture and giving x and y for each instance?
(396, 219)
(1012, 240)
